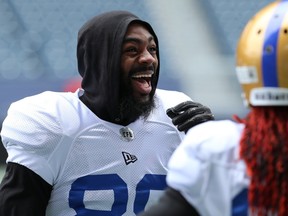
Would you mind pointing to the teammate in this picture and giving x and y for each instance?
(225, 168)
(102, 150)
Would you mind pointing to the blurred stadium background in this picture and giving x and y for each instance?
(198, 40)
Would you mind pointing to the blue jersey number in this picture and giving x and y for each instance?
(119, 187)
(240, 204)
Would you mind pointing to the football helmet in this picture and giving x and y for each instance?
(262, 57)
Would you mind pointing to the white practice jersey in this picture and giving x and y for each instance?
(206, 169)
(95, 167)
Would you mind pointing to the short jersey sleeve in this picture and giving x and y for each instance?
(171, 98)
(166, 100)
(30, 133)
(203, 167)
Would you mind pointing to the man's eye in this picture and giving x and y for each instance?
(153, 49)
(131, 49)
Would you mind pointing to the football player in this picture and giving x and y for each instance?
(240, 168)
(103, 149)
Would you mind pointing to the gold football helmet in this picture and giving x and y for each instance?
(262, 57)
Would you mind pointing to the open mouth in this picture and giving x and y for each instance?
(142, 82)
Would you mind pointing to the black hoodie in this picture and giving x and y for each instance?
(99, 55)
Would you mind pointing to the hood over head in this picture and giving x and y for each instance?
(99, 62)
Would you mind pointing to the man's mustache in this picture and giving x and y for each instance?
(140, 69)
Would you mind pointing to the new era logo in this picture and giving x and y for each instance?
(128, 158)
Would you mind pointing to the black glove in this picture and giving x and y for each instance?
(188, 114)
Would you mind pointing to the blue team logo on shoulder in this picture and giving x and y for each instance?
(126, 134)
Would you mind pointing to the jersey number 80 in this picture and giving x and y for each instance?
(113, 182)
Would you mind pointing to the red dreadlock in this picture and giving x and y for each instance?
(264, 148)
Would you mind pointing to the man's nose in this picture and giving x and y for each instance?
(146, 57)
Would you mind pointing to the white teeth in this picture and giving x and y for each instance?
(143, 75)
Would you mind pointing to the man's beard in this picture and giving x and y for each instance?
(131, 109)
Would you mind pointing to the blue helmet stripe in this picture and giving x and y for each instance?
(269, 59)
